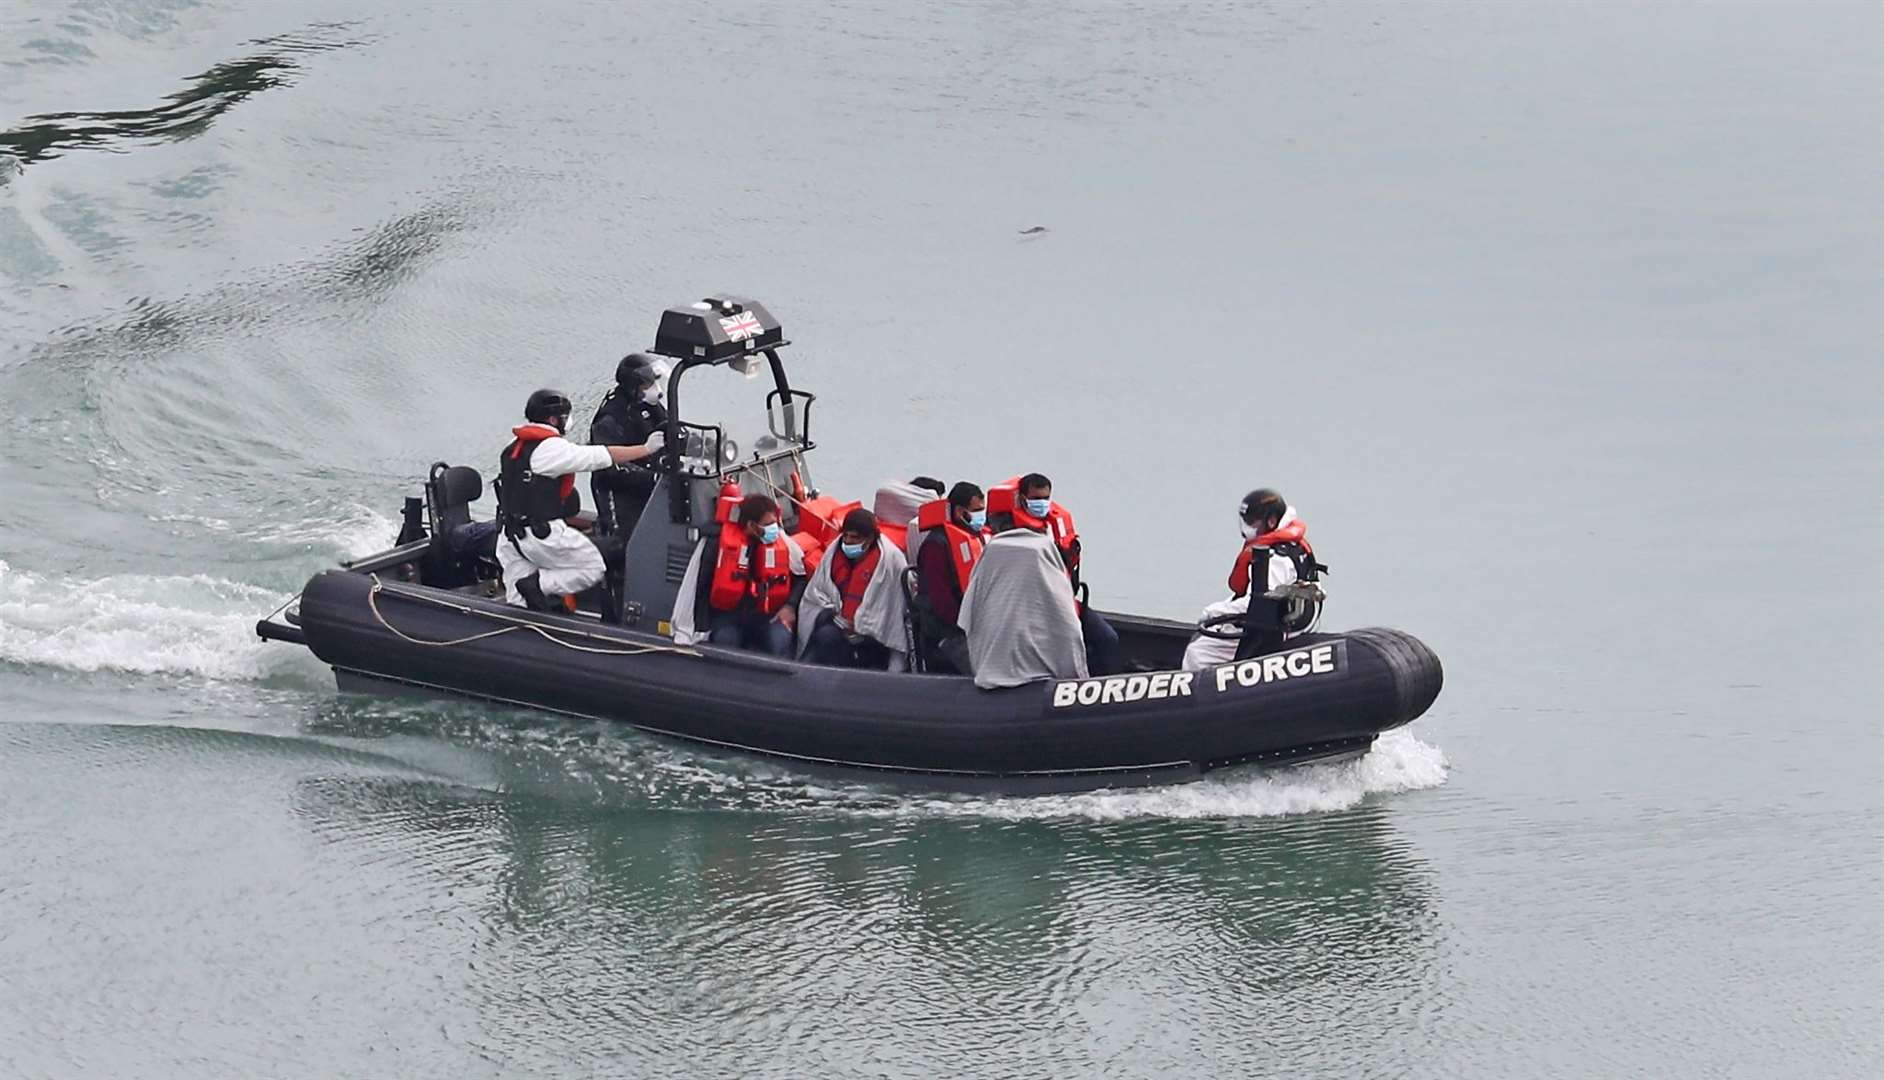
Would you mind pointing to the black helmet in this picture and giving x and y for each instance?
(637, 370)
(546, 405)
(1261, 503)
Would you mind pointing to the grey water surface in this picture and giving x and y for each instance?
(1559, 323)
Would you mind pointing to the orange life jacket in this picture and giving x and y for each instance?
(738, 583)
(896, 533)
(853, 579)
(964, 546)
(1058, 524)
(1295, 532)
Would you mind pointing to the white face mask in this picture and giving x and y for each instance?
(1246, 528)
(653, 394)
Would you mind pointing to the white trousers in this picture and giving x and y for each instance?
(564, 562)
(1205, 651)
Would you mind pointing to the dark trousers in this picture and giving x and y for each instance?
(750, 630)
(833, 648)
(949, 656)
(1102, 643)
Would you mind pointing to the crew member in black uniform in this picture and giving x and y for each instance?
(630, 413)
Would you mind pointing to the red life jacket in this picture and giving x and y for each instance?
(964, 546)
(737, 583)
(853, 579)
(1295, 533)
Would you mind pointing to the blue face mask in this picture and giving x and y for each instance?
(852, 551)
(1039, 507)
(769, 534)
(977, 520)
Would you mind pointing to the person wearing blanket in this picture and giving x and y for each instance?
(852, 611)
(1018, 615)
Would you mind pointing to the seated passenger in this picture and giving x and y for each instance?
(755, 580)
(1017, 615)
(945, 559)
(1035, 509)
(1275, 535)
(852, 612)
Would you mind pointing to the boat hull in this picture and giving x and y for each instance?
(1327, 695)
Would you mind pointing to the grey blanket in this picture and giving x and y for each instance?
(879, 615)
(1018, 614)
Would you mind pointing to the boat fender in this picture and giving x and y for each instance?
(726, 506)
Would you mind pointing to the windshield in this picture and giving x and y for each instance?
(723, 396)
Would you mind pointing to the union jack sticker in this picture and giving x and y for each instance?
(741, 326)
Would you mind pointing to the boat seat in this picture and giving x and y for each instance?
(451, 491)
(462, 551)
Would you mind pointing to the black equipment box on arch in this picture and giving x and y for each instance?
(717, 328)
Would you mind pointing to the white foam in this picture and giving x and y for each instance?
(193, 624)
(364, 532)
(1398, 762)
(356, 531)
(213, 524)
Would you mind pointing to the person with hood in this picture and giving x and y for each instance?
(632, 411)
(896, 505)
(1276, 550)
(852, 611)
(1018, 616)
(541, 554)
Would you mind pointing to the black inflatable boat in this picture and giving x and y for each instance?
(427, 616)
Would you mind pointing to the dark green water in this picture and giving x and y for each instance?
(1560, 324)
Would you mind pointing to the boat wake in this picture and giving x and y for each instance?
(588, 762)
(139, 623)
(159, 624)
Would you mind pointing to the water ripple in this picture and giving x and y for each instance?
(183, 114)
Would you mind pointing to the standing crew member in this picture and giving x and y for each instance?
(758, 576)
(1035, 509)
(852, 614)
(541, 555)
(631, 412)
(944, 564)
